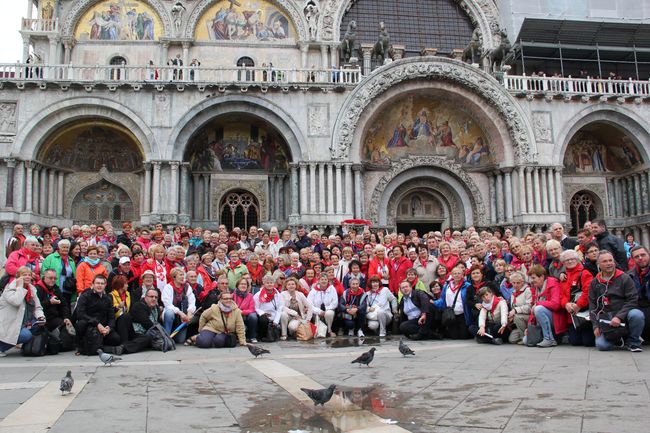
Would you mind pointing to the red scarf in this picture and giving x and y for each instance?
(266, 296)
(28, 295)
(309, 281)
(642, 273)
(423, 262)
(47, 290)
(415, 282)
(275, 239)
(352, 294)
(600, 278)
(256, 273)
(318, 287)
(122, 296)
(233, 264)
(455, 289)
(178, 290)
(517, 293)
(495, 304)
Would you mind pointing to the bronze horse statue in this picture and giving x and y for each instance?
(349, 42)
(499, 54)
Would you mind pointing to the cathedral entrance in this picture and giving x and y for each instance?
(421, 210)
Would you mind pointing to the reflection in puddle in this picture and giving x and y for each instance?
(339, 342)
(351, 408)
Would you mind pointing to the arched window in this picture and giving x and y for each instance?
(239, 209)
(582, 209)
(119, 71)
(102, 201)
(245, 62)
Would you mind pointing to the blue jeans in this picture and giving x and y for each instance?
(24, 336)
(168, 323)
(544, 318)
(635, 321)
(251, 326)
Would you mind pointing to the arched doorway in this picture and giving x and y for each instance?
(102, 201)
(118, 72)
(239, 208)
(583, 208)
(423, 211)
(245, 74)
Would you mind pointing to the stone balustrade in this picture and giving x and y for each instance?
(525, 85)
(37, 25)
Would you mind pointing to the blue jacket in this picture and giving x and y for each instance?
(441, 303)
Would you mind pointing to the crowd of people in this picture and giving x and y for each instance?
(97, 289)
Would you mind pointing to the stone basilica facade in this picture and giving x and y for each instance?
(289, 112)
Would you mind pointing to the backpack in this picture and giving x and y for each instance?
(160, 340)
(91, 342)
(37, 346)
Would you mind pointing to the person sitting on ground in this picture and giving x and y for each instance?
(124, 269)
(269, 307)
(574, 298)
(64, 268)
(55, 305)
(493, 318)
(122, 306)
(235, 269)
(246, 304)
(180, 304)
(456, 294)
(221, 325)
(613, 301)
(95, 310)
(352, 306)
(145, 313)
(521, 303)
(20, 308)
(414, 310)
(382, 304)
(555, 266)
(354, 272)
(325, 301)
(547, 311)
(297, 308)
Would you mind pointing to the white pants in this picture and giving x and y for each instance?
(379, 320)
(289, 324)
(329, 318)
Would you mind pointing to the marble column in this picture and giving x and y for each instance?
(323, 56)
(646, 190)
(146, 208)
(514, 179)
(552, 201)
(645, 235)
(638, 207)
(155, 199)
(272, 208)
(521, 180)
(11, 173)
(206, 197)
(304, 49)
(493, 199)
(366, 50)
(625, 183)
(312, 189)
(358, 200)
(294, 190)
(330, 189)
(29, 186)
(334, 56)
(186, 56)
(610, 191)
(174, 187)
(544, 189)
(197, 197)
(279, 192)
(19, 182)
(164, 56)
(42, 206)
(52, 55)
(51, 209)
(538, 198)
(59, 194)
(622, 206)
(36, 186)
(618, 202)
(530, 190)
(303, 189)
(25, 48)
(499, 196)
(507, 179)
(349, 189)
(339, 189)
(559, 195)
(185, 191)
(322, 191)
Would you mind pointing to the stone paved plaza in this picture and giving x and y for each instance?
(449, 386)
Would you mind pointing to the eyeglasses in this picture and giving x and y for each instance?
(226, 299)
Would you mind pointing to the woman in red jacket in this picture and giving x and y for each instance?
(446, 257)
(379, 266)
(574, 298)
(244, 300)
(547, 309)
(398, 267)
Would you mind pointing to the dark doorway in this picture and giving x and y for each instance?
(420, 227)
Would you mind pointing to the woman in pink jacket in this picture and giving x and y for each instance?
(245, 302)
(547, 309)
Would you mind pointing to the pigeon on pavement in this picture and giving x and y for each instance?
(365, 358)
(320, 396)
(66, 383)
(107, 358)
(256, 350)
(404, 349)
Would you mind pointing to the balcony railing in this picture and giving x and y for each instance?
(181, 75)
(39, 25)
(576, 86)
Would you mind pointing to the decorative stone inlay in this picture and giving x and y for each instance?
(436, 68)
(318, 116)
(403, 164)
(292, 10)
(80, 6)
(543, 126)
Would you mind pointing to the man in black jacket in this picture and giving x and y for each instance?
(641, 277)
(124, 268)
(302, 239)
(613, 305)
(557, 233)
(611, 243)
(145, 313)
(55, 305)
(415, 314)
(95, 309)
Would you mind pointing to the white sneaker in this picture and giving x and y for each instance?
(360, 334)
(382, 334)
(351, 333)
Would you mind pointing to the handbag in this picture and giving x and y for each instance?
(272, 333)
(54, 343)
(534, 335)
(448, 314)
(37, 345)
(160, 340)
(231, 340)
(613, 334)
(321, 329)
(304, 331)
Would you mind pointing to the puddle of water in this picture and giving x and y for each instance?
(343, 413)
(342, 342)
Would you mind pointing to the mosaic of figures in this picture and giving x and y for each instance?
(232, 144)
(119, 20)
(244, 20)
(600, 149)
(425, 125)
(88, 148)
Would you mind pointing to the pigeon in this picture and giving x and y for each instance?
(320, 396)
(66, 383)
(256, 350)
(404, 349)
(106, 358)
(365, 358)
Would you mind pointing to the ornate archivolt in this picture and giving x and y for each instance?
(79, 7)
(442, 69)
(292, 9)
(440, 191)
(483, 14)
